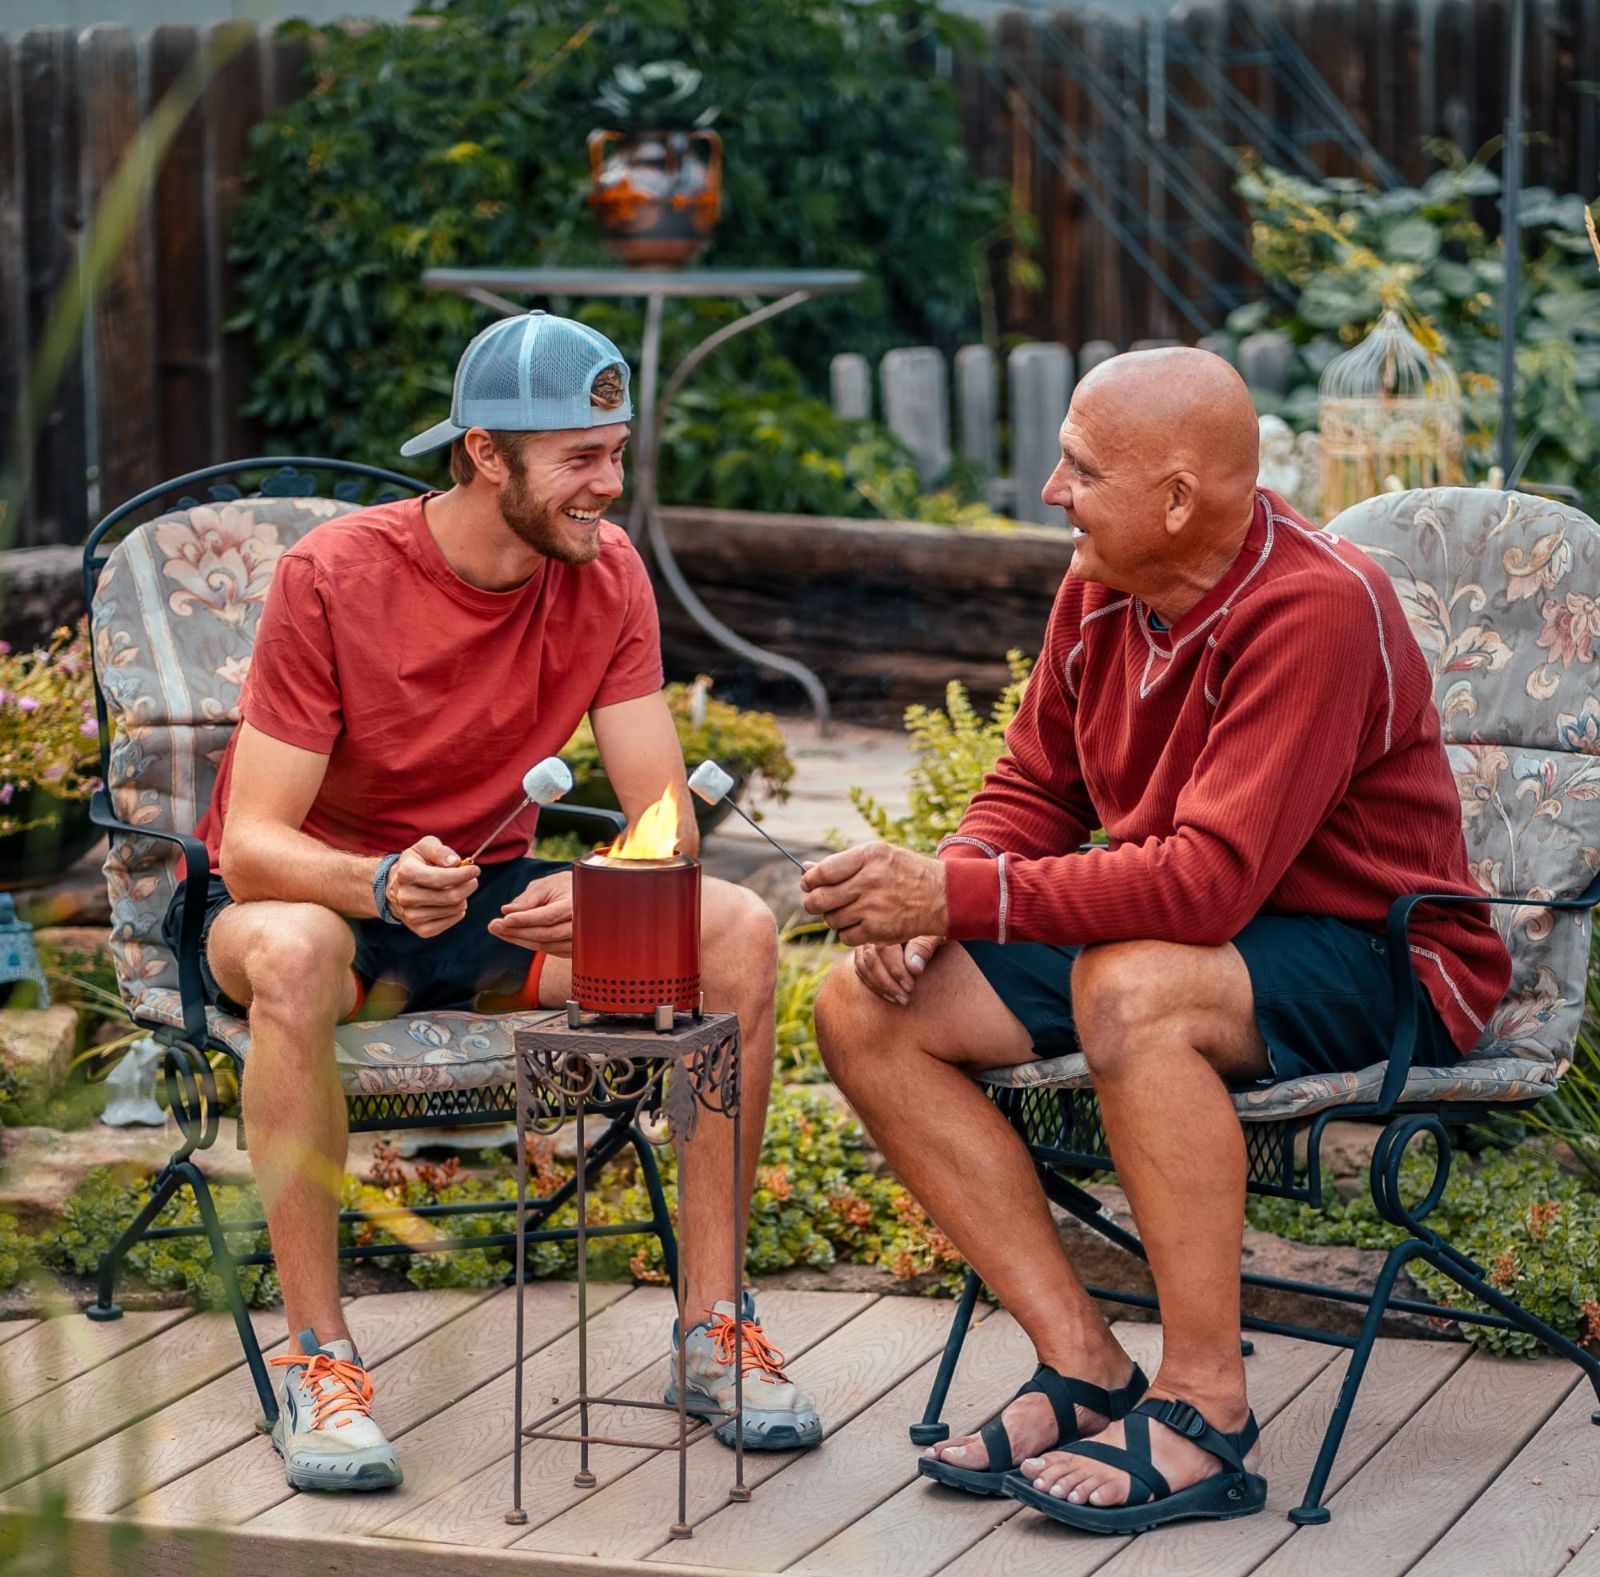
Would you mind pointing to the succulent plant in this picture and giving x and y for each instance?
(661, 95)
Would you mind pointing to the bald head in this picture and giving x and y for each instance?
(1182, 410)
(1159, 455)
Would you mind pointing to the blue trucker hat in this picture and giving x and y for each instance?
(528, 374)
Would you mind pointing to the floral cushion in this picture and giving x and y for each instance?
(1500, 591)
(174, 618)
(1485, 1079)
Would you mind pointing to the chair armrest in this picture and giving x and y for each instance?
(196, 881)
(1406, 985)
(601, 819)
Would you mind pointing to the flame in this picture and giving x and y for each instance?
(654, 836)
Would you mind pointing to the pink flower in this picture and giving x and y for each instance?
(6, 791)
(89, 728)
(1570, 628)
(27, 703)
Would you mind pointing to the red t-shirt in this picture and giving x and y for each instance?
(1276, 751)
(431, 698)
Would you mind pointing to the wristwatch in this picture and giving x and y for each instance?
(380, 891)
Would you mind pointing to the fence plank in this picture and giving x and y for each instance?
(850, 386)
(1398, 71)
(185, 309)
(977, 420)
(1454, 110)
(52, 221)
(1065, 260)
(124, 300)
(13, 296)
(1013, 41)
(286, 60)
(916, 406)
(235, 105)
(1041, 387)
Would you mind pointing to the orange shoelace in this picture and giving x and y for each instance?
(338, 1385)
(759, 1353)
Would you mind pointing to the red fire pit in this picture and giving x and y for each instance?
(636, 935)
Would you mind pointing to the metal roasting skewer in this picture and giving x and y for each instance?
(711, 783)
(542, 784)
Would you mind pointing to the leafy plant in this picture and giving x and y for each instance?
(661, 95)
(801, 970)
(954, 749)
(455, 144)
(1346, 251)
(49, 736)
(1516, 1211)
(748, 744)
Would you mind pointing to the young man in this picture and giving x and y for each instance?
(413, 660)
(1236, 698)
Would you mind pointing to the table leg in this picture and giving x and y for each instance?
(646, 508)
(517, 1517)
(681, 1528)
(583, 1478)
(740, 1490)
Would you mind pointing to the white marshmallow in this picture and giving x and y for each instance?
(710, 782)
(548, 781)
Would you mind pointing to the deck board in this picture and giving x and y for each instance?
(845, 1375)
(409, 1388)
(472, 1512)
(1454, 1461)
(54, 1351)
(868, 1460)
(1430, 1470)
(209, 1423)
(11, 1329)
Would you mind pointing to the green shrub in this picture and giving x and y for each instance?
(1533, 1226)
(954, 749)
(801, 970)
(17, 1252)
(461, 142)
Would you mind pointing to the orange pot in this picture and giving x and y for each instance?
(656, 194)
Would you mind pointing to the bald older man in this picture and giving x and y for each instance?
(1236, 698)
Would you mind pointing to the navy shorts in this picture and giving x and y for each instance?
(398, 971)
(1323, 997)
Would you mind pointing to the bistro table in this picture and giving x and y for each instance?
(790, 287)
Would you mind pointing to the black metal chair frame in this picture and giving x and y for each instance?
(190, 1083)
(1066, 1139)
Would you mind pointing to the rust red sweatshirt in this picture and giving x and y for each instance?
(1276, 751)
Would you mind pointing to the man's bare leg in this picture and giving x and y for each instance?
(906, 1071)
(290, 963)
(738, 964)
(1161, 1025)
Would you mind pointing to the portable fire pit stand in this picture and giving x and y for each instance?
(575, 1066)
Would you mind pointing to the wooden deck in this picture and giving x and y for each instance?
(1455, 1464)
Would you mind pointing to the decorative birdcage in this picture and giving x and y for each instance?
(1389, 416)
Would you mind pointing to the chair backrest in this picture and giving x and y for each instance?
(174, 618)
(1500, 589)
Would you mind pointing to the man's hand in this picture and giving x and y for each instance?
(876, 892)
(428, 887)
(540, 919)
(890, 970)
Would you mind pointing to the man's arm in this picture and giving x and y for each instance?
(639, 749)
(265, 855)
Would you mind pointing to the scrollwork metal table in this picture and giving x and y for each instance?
(572, 1067)
(791, 287)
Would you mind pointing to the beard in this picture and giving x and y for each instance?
(540, 523)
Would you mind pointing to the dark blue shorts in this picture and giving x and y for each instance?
(1323, 998)
(400, 971)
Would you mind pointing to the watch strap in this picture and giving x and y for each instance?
(380, 891)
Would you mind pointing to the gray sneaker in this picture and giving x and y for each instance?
(778, 1416)
(325, 1432)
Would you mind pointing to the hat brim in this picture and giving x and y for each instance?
(436, 437)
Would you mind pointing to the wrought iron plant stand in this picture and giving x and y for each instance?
(577, 1066)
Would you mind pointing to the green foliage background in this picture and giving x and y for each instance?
(461, 142)
(1346, 251)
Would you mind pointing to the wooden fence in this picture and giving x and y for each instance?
(1111, 134)
(157, 386)
(936, 415)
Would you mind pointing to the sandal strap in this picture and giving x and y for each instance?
(1145, 1480)
(998, 1445)
(1185, 1418)
(1066, 1394)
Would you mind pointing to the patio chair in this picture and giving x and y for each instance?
(1484, 578)
(174, 606)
